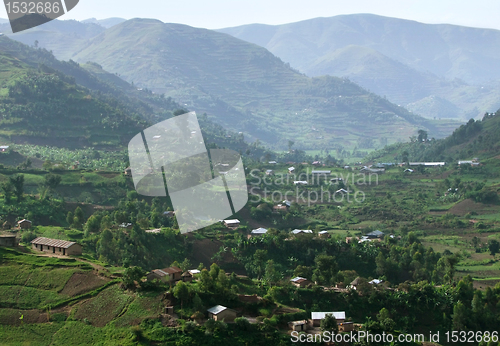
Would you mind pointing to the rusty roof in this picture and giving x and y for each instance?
(53, 242)
(167, 271)
(172, 270)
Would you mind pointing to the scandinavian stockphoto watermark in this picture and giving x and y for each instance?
(310, 187)
(28, 14)
(171, 159)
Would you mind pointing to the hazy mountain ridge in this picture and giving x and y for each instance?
(430, 58)
(107, 23)
(63, 37)
(245, 87)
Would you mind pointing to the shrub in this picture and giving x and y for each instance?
(27, 237)
(243, 323)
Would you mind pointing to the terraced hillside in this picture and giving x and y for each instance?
(248, 89)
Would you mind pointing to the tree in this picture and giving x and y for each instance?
(132, 275)
(70, 218)
(259, 258)
(93, 224)
(422, 135)
(243, 323)
(206, 280)
(222, 281)
(290, 145)
(197, 303)
(18, 184)
(459, 316)
(386, 322)
(405, 156)
(105, 222)
(52, 181)
(181, 291)
(326, 269)
(8, 192)
(475, 242)
(214, 271)
(493, 246)
(185, 264)
(212, 326)
(303, 271)
(79, 217)
(272, 275)
(447, 265)
(329, 323)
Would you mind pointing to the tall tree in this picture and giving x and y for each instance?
(181, 291)
(18, 184)
(493, 246)
(459, 316)
(8, 192)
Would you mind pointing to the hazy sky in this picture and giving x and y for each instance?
(213, 14)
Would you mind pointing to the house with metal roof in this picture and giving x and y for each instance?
(222, 313)
(257, 232)
(375, 234)
(302, 231)
(324, 173)
(234, 223)
(323, 234)
(56, 246)
(316, 317)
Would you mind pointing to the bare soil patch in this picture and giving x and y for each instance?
(203, 251)
(481, 285)
(466, 206)
(83, 282)
(12, 317)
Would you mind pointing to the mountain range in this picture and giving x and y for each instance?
(240, 85)
(247, 89)
(443, 71)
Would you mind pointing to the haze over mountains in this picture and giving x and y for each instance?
(434, 70)
(246, 88)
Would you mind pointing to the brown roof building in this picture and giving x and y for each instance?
(24, 224)
(8, 240)
(170, 274)
(56, 246)
(300, 282)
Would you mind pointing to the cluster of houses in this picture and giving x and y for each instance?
(42, 244)
(297, 232)
(171, 275)
(369, 237)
